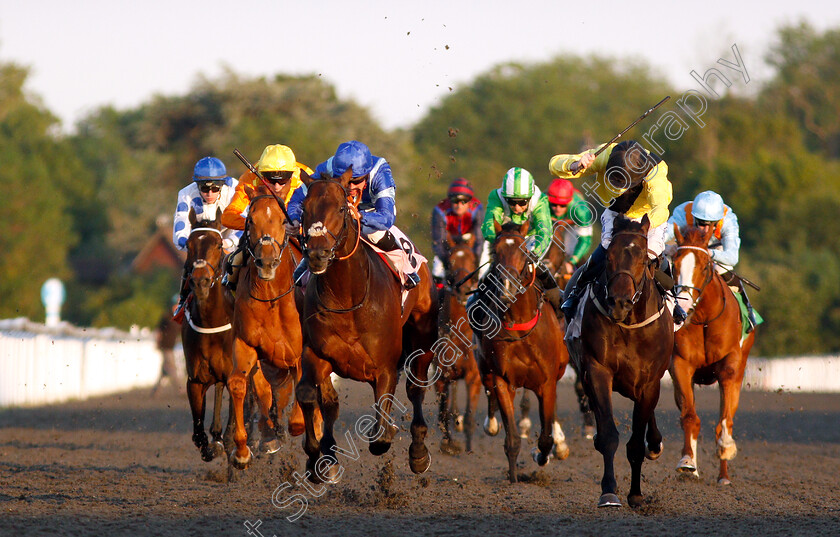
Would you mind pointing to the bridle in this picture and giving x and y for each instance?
(278, 249)
(531, 324)
(637, 287)
(201, 262)
(711, 274)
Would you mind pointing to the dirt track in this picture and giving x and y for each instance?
(125, 465)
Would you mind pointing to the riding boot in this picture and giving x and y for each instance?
(179, 313)
(750, 312)
(581, 278)
(552, 292)
(389, 243)
(664, 276)
(300, 270)
(233, 263)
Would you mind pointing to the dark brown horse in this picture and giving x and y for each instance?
(707, 348)
(624, 345)
(453, 324)
(521, 345)
(266, 326)
(354, 325)
(206, 334)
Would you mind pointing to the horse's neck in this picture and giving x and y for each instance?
(342, 274)
(525, 305)
(279, 283)
(709, 304)
(212, 309)
(649, 302)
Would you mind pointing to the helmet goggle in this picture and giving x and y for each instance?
(281, 177)
(459, 199)
(703, 223)
(210, 186)
(518, 202)
(356, 181)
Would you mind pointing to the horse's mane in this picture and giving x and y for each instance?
(693, 236)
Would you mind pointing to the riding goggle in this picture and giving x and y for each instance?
(561, 205)
(701, 223)
(210, 187)
(278, 177)
(456, 201)
(518, 202)
(356, 181)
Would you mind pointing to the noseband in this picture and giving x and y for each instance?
(637, 287)
(702, 288)
(265, 240)
(201, 262)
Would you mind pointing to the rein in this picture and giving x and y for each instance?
(701, 289)
(200, 263)
(266, 240)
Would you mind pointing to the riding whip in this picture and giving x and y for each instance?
(746, 281)
(630, 126)
(251, 167)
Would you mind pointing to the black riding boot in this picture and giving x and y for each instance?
(750, 312)
(664, 276)
(553, 293)
(178, 314)
(582, 276)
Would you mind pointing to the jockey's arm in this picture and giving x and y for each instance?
(439, 233)
(295, 207)
(541, 224)
(561, 165)
(181, 221)
(659, 194)
(584, 244)
(730, 241)
(382, 194)
(495, 213)
(478, 219)
(232, 216)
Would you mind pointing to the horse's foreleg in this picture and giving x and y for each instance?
(682, 373)
(642, 413)
(196, 392)
(599, 389)
(545, 400)
(328, 409)
(473, 392)
(447, 445)
(216, 446)
(525, 415)
(244, 359)
(309, 392)
(419, 459)
(729, 382)
(505, 394)
(583, 404)
(296, 423)
(263, 387)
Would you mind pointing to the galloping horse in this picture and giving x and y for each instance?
(266, 325)
(525, 351)
(354, 324)
(207, 335)
(707, 348)
(453, 324)
(624, 344)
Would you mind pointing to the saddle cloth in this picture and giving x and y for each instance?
(401, 260)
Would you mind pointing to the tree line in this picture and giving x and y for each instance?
(81, 206)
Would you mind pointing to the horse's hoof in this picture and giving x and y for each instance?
(379, 447)
(561, 451)
(272, 446)
(459, 423)
(635, 500)
(241, 463)
(491, 426)
(524, 427)
(217, 448)
(724, 481)
(297, 429)
(589, 432)
(609, 500)
(727, 452)
(450, 447)
(687, 465)
(420, 465)
(653, 455)
(206, 454)
(539, 458)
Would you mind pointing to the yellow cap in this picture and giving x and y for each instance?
(277, 158)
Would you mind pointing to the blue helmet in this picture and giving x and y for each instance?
(354, 154)
(209, 169)
(707, 206)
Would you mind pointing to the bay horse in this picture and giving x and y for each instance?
(354, 324)
(707, 348)
(206, 335)
(453, 324)
(555, 260)
(266, 326)
(525, 349)
(624, 345)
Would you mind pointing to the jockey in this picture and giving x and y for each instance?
(373, 183)
(458, 216)
(211, 190)
(708, 210)
(569, 209)
(519, 200)
(281, 170)
(628, 181)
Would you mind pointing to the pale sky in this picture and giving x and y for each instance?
(395, 57)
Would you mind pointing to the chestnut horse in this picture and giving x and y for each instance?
(266, 326)
(453, 325)
(624, 344)
(354, 325)
(520, 344)
(707, 348)
(207, 335)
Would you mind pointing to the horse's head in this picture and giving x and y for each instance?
(513, 263)
(204, 253)
(628, 266)
(461, 262)
(265, 231)
(327, 220)
(693, 265)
